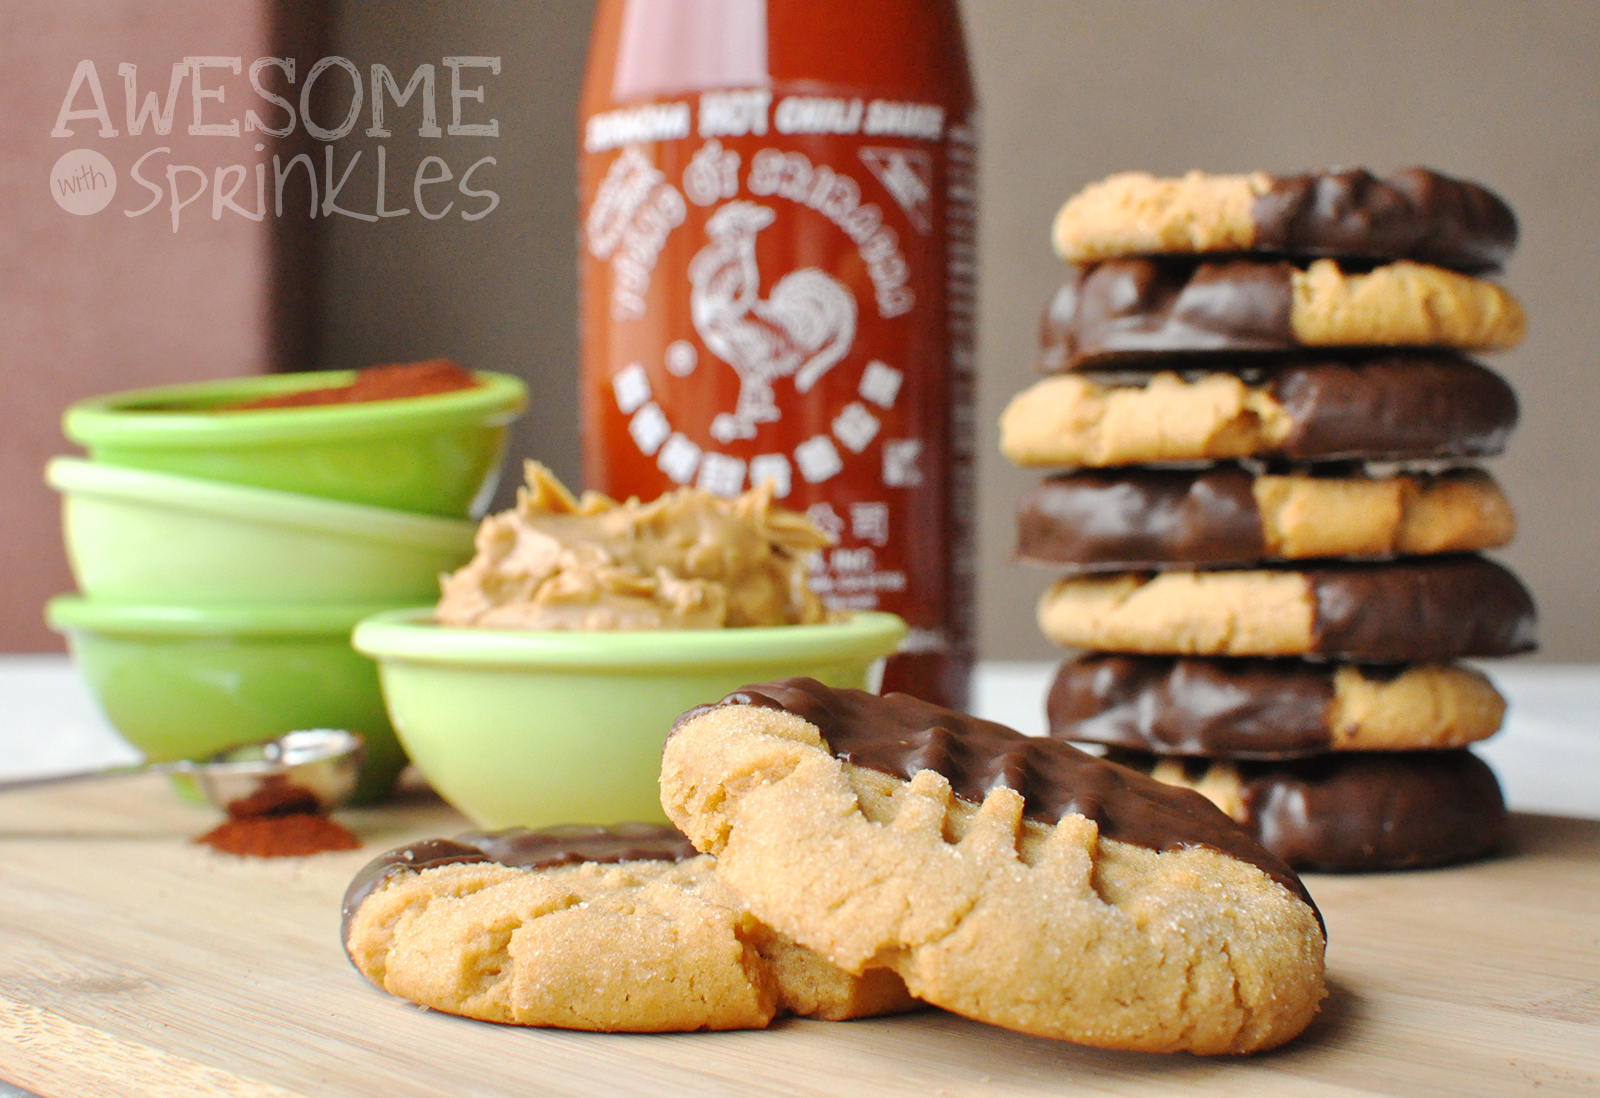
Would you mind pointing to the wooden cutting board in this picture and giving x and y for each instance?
(133, 962)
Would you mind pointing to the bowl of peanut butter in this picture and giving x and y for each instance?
(540, 688)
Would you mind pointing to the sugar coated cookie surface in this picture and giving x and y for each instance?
(1353, 813)
(1134, 309)
(1017, 881)
(1268, 709)
(1398, 407)
(1156, 519)
(1414, 610)
(1413, 214)
(587, 928)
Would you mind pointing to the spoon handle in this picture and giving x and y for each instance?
(11, 784)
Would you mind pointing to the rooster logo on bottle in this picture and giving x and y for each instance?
(800, 330)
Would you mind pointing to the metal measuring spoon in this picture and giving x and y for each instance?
(312, 770)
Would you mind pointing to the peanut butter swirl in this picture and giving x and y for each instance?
(687, 560)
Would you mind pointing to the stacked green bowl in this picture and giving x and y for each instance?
(223, 556)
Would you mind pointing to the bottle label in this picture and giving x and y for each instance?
(779, 288)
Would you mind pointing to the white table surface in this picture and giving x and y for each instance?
(1547, 756)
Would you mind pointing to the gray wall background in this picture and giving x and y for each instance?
(496, 294)
(1507, 93)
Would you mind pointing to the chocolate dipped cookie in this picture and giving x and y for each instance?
(1414, 214)
(1428, 609)
(1020, 882)
(1352, 813)
(612, 929)
(1132, 310)
(1268, 709)
(1398, 407)
(1160, 519)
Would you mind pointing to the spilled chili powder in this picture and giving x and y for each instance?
(410, 379)
(291, 836)
(278, 820)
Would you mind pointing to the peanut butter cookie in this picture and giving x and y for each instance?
(1393, 408)
(587, 928)
(1017, 881)
(1158, 519)
(1417, 610)
(1268, 709)
(1413, 214)
(1132, 310)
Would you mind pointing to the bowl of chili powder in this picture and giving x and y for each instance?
(422, 437)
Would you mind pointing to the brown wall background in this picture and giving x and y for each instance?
(1507, 93)
(92, 304)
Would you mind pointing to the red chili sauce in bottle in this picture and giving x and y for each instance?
(777, 283)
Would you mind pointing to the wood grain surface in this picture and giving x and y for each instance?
(134, 962)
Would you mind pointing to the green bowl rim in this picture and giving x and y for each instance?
(408, 637)
(112, 419)
(73, 476)
(77, 613)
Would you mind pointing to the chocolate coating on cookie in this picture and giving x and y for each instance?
(521, 848)
(1421, 609)
(1103, 520)
(1366, 812)
(1359, 812)
(1139, 307)
(1241, 708)
(1397, 406)
(1413, 214)
(899, 735)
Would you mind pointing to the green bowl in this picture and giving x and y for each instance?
(184, 683)
(136, 536)
(434, 455)
(531, 729)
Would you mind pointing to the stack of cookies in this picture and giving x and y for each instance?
(1269, 527)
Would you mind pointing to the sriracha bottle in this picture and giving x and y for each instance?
(777, 283)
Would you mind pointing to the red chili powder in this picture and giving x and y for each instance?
(275, 796)
(411, 379)
(290, 836)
